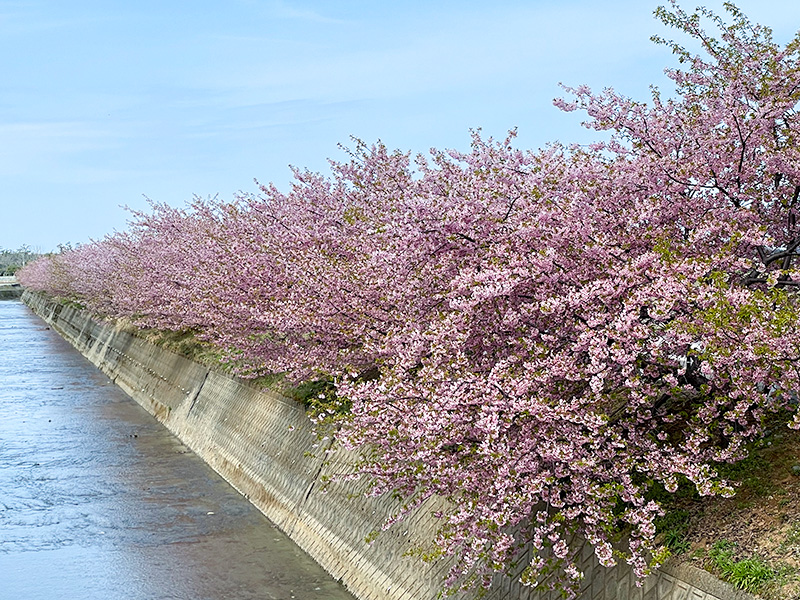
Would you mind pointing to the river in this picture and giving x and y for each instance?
(99, 501)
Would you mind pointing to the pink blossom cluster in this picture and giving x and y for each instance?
(549, 334)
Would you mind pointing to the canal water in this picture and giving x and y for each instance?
(99, 501)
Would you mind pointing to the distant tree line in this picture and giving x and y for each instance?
(13, 260)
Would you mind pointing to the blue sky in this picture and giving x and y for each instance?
(105, 102)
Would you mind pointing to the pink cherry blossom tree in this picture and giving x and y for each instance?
(540, 337)
(630, 320)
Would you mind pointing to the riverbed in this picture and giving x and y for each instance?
(98, 500)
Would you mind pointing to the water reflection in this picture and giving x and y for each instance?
(97, 500)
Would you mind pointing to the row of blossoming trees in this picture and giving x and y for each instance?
(547, 335)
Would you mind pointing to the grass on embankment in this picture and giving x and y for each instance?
(753, 539)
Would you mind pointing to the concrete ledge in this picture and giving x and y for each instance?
(705, 581)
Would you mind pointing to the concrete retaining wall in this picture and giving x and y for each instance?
(10, 292)
(263, 445)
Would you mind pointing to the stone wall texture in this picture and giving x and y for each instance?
(263, 444)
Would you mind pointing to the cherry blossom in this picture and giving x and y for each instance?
(540, 337)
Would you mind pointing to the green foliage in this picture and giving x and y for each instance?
(184, 343)
(721, 553)
(320, 399)
(767, 458)
(674, 527)
(12, 261)
(750, 574)
(793, 537)
(752, 472)
(70, 303)
(313, 393)
(686, 493)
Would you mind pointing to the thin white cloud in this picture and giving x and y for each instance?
(28, 21)
(505, 46)
(170, 100)
(28, 147)
(283, 10)
(46, 130)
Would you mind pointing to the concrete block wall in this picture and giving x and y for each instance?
(263, 444)
(9, 293)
